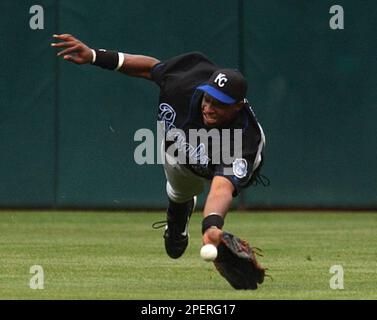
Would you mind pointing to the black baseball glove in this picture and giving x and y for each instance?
(236, 262)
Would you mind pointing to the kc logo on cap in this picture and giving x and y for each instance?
(221, 79)
(226, 85)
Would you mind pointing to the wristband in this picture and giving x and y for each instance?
(213, 220)
(94, 56)
(120, 60)
(110, 60)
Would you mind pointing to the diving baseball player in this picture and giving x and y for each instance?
(197, 96)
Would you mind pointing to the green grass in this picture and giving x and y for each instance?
(107, 255)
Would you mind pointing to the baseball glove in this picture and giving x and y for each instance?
(236, 262)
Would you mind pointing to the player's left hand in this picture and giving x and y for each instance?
(76, 51)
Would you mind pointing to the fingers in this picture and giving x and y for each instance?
(64, 44)
(65, 37)
(68, 41)
(75, 51)
(73, 59)
(69, 50)
(212, 236)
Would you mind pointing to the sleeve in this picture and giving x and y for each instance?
(158, 72)
(182, 63)
(239, 173)
(242, 172)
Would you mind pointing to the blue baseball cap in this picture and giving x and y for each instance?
(226, 85)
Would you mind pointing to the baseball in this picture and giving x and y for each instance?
(208, 252)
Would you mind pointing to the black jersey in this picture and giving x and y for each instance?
(180, 108)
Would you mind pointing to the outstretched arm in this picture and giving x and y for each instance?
(218, 202)
(78, 52)
(220, 197)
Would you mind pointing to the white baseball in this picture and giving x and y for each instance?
(208, 252)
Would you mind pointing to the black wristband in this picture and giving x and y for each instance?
(213, 220)
(106, 59)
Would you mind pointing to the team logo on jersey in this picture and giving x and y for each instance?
(167, 115)
(197, 154)
(240, 168)
(221, 79)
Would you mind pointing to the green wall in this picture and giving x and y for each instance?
(67, 131)
(27, 108)
(315, 93)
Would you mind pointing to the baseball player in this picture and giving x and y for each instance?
(195, 94)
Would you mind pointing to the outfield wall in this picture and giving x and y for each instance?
(67, 132)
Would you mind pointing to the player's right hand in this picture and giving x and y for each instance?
(75, 50)
(212, 236)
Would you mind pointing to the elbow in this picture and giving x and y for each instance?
(226, 194)
(222, 187)
(222, 192)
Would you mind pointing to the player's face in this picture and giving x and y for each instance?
(215, 113)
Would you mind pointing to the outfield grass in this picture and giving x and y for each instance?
(107, 255)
